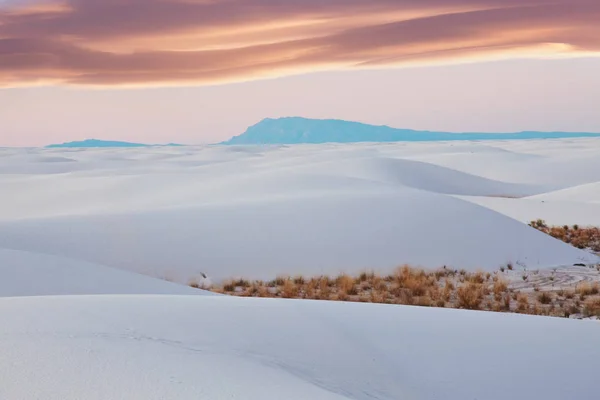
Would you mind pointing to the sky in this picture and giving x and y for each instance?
(201, 71)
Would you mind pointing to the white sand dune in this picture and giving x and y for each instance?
(205, 347)
(30, 274)
(553, 163)
(554, 212)
(588, 193)
(309, 235)
(261, 211)
(78, 323)
(426, 176)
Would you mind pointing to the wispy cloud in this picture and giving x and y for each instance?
(155, 42)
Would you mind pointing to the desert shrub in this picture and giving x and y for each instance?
(545, 298)
(470, 296)
(289, 289)
(592, 307)
(346, 285)
(376, 297)
(572, 309)
(583, 238)
(243, 283)
(522, 303)
(299, 280)
(441, 273)
(506, 302)
(363, 298)
(423, 301)
(477, 277)
(229, 286)
(363, 277)
(499, 288)
(584, 289)
(278, 281)
(411, 286)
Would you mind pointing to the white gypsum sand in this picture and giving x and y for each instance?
(31, 274)
(78, 322)
(259, 211)
(217, 347)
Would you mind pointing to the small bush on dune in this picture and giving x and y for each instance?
(572, 310)
(545, 298)
(506, 302)
(324, 288)
(522, 303)
(583, 238)
(470, 296)
(279, 281)
(229, 286)
(424, 301)
(347, 285)
(477, 277)
(592, 307)
(243, 283)
(289, 289)
(365, 276)
(499, 288)
(299, 280)
(584, 289)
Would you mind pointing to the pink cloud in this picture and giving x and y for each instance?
(155, 42)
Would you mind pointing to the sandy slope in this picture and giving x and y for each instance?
(311, 235)
(262, 211)
(181, 347)
(30, 274)
(555, 212)
(589, 193)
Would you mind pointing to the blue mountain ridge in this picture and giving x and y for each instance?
(297, 130)
(103, 143)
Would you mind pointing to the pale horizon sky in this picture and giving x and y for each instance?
(80, 69)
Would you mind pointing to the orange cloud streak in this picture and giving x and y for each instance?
(158, 42)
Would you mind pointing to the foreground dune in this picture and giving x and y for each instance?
(218, 347)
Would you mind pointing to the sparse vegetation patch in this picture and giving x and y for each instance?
(445, 287)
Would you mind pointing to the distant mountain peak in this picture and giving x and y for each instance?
(297, 130)
(94, 143)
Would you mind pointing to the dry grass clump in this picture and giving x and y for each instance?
(470, 296)
(545, 298)
(584, 289)
(591, 307)
(499, 288)
(522, 303)
(444, 287)
(347, 285)
(580, 237)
